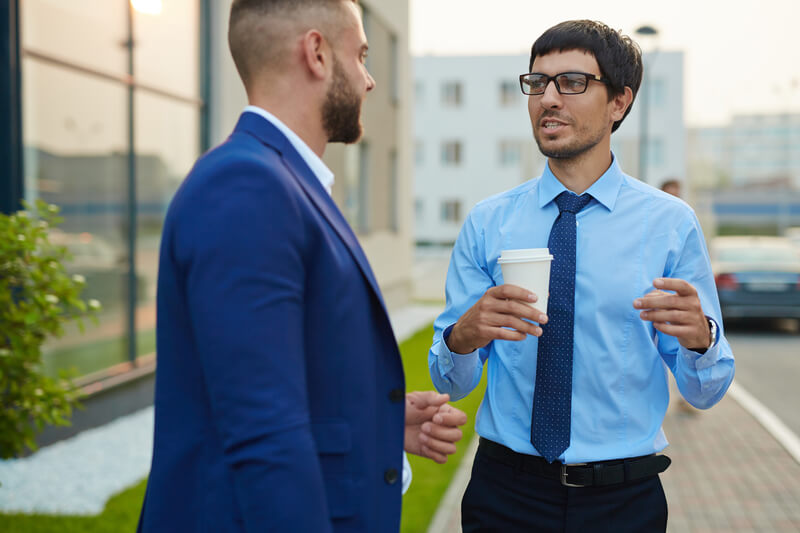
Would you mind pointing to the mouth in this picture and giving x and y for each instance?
(550, 125)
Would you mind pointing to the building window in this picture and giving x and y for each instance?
(419, 153)
(419, 209)
(451, 211)
(452, 94)
(419, 93)
(451, 153)
(655, 152)
(509, 93)
(363, 221)
(510, 153)
(657, 92)
(110, 129)
(394, 184)
(394, 71)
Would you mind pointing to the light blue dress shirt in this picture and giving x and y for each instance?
(628, 235)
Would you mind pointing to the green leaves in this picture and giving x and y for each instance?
(37, 297)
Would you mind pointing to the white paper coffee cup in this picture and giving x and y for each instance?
(528, 268)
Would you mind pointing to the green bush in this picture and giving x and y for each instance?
(37, 297)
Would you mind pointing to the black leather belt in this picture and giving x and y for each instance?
(579, 474)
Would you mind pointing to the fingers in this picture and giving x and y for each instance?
(686, 299)
(450, 416)
(425, 399)
(682, 287)
(512, 292)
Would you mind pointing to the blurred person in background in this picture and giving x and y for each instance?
(671, 186)
(571, 423)
(280, 400)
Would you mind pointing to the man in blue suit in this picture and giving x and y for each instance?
(280, 402)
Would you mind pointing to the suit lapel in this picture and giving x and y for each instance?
(268, 134)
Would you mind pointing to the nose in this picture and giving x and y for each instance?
(551, 98)
(370, 81)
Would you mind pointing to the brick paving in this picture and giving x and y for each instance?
(728, 475)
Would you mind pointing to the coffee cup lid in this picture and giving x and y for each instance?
(525, 254)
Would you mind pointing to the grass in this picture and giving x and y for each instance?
(419, 504)
(121, 514)
(430, 480)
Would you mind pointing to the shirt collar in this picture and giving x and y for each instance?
(317, 166)
(605, 190)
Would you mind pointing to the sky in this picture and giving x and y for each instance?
(740, 56)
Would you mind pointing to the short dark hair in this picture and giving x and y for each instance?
(251, 42)
(617, 55)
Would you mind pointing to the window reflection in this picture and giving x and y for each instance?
(92, 33)
(166, 146)
(74, 157)
(160, 58)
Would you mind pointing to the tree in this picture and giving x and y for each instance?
(37, 297)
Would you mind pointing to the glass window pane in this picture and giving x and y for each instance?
(75, 157)
(167, 143)
(92, 33)
(167, 45)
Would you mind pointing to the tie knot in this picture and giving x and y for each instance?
(571, 202)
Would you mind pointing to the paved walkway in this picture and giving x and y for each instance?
(729, 474)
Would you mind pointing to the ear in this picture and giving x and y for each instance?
(316, 53)
(620, 103)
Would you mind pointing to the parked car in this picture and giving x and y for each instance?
(757, 277)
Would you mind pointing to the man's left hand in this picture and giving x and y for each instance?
(679, 314)
(432, 425)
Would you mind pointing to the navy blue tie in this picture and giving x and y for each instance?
(552, 398)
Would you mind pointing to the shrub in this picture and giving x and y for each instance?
(37, 298)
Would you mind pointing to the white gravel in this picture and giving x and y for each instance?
(78, 475)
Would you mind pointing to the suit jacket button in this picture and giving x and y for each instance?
(396, 395)
(390, 476)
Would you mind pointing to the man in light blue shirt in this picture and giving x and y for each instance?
(644, 304)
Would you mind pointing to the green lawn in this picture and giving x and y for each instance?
(120, 515)
(430, 480)
(419, 504)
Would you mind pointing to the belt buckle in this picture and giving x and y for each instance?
(564, 481)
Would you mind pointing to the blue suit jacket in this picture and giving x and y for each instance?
(279, 401)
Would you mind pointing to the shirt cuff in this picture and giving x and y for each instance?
(406, 473)
(450, 361)
(709, 357)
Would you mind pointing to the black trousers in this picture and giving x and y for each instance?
(503, 498)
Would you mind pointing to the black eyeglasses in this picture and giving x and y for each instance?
(566, 82)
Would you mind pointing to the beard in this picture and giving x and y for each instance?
(585, 140)
(341, 111)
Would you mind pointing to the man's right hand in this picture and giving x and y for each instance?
(499, 309)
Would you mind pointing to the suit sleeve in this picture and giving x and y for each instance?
(245, 272)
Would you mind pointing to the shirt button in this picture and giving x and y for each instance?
(390, 476)
(396, 395)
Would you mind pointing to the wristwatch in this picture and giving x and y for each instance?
(712, 328)
(712, 337)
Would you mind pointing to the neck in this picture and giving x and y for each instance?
(304, 120)
(579, 173)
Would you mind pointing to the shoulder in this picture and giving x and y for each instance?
(504, 202)
(655, 199)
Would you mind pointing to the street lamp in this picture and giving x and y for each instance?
(647, 32)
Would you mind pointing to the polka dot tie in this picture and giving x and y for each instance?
(552, 398)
